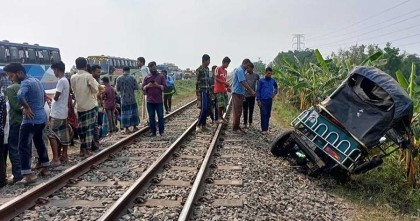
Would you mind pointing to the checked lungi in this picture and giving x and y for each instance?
(129, 115)
(87, 120)
(222, 100)
(57, 129)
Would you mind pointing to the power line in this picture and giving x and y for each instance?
(390, 41)
(380, 23)
(400, 39)
(408, 44)
(376, 36)
(356, 23)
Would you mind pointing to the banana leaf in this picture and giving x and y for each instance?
(372, 58)
(321, 61)
(401, 80)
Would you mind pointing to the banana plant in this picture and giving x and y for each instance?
(410, 156)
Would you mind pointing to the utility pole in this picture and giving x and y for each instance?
(298, 41)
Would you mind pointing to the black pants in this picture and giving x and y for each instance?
(167, 100)
(3, 176)
(248, 107)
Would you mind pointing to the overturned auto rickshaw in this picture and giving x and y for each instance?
(364, 120)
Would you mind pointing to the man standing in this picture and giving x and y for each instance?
(3, 148)
(154, 85)
(249, 103)
(31, 96)
(57, 127)
(144, 72)
(108, 97)
(266, 90)
(202, 89)
(212, 112)
(221, 87)
(85, 89)
(126, 85)
(95, 70)
(239, 85)
(15, 120)
(169, 91)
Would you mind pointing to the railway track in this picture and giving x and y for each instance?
(171, 189)
(97, 181)
(163, 178)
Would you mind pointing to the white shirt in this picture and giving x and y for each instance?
(59, 108)
(7, 126)
(144, 71)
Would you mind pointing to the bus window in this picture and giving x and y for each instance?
(14, 55)
(3, 57)
(40, 57)
(22, 58)
(31, 56)
(55, 56)
(111, 62)
(46, 56)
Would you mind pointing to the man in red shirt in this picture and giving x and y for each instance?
(221, 87)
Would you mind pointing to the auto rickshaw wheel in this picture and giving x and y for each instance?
(282, 144)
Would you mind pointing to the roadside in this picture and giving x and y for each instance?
(380, 194)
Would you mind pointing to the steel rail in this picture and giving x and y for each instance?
(128, 198)
(16, 206)
(204, 169)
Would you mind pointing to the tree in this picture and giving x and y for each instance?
(259, 66)
(306, 56)
(395, 60)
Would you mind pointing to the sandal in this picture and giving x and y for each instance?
(55, 163)
(44, 172)
(28, 179)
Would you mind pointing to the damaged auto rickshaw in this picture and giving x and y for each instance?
(364, 120)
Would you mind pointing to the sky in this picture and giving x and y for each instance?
(182, 31)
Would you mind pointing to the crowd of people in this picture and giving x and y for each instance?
(212, 93)
(84, 106)
(87, 107)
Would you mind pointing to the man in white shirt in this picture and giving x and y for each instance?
(58, 133)
(144, 72)
(85, 88)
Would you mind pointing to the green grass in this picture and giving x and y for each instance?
(385, 186)
(284, 112)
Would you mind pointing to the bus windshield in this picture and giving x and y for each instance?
(101, 61)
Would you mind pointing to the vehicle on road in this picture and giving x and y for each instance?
(35, 58)
(364, 120)
(188, 74)
(112, 67)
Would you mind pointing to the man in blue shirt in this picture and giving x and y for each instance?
(168, 92)
(266, 90)
(31, 96)
(239, 85)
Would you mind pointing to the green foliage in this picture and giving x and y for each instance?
(259, 66)
(383, 185)
(308, 83)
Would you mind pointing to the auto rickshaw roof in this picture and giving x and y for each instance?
(403, 105)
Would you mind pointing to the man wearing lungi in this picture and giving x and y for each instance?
(58, 133)
(126, 85)
(85, 88)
